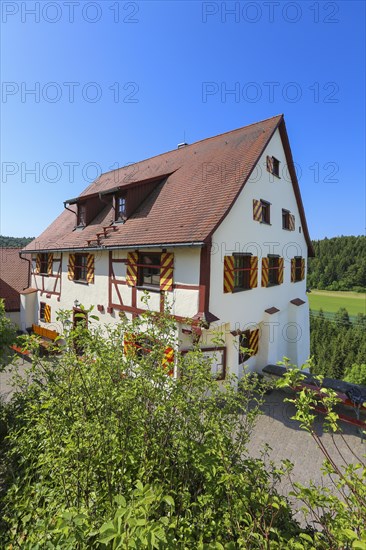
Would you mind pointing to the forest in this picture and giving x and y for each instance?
(339, 264)
(14, 242)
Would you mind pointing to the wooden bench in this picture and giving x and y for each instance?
(23, 353)
(350, 395)
(48, 337)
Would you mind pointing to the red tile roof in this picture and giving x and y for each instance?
(14, 273)
(200, 183)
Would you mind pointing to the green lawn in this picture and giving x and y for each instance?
(331, 301)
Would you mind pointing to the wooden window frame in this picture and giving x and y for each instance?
(275, 167)
(141, 266)
(273, 271)
(43, 264)
(245, 271)
(285, 219)
(266, 212)
(80, 269)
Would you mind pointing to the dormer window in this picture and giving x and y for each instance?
(120, 208)
(82, 214)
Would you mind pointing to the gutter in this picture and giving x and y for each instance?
(29, 268)
(117, 247)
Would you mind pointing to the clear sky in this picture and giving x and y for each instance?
(89, 86)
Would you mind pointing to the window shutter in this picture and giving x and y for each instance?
(269, 163)
(253, 281)
(168, 360)
(131, 276)
(291, 222)
(264, 271)
(38, 264)
(71, 271)
(166, 271)
(90, 269)
(280, 271)
(129, 345)
(257, 210)
(228, 274)
(302, 269)
(254, 341)
(293, 270)
(50, 264)
(47, 313)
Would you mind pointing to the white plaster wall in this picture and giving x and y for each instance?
(240, 233)
(28, 310)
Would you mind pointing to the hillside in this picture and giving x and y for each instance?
(339, 264)
(14, 242)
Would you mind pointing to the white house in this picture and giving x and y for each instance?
(217, 228)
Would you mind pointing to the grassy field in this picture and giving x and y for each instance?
(354, 302)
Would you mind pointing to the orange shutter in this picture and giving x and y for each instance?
(129, 345)
(257, 210)
(253, 281)
(71, 271)
(291, 222)
(302, 269)
(38, 264)
(166, 271)
(131, 275)
(293, 270)
(265, 272)
(280, 271)
(254, 341)
(269, 162)
(228, 274)
(47, 313)
(90, 268)
(50, 264)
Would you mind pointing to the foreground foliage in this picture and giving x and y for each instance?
(105, 450)
(7, 335)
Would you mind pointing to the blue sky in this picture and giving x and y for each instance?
(115, 82)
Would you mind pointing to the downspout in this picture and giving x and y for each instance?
(29, 268)
(69, 209)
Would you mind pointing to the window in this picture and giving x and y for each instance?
(242, 271)
(80, 273)
(297, 269)
(273, 166)
(42, 308)
(43, 266)
(266, 215)
(285, 219)
(120, 208)
(149, 270)
(81, 214)
(273, 270)
(244, 342)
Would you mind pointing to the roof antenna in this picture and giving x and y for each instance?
(184, 143)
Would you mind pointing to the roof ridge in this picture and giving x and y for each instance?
(188, 145)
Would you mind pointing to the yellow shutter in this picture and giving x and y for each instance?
(71, 271)
(293, 270)
(166, 271)
(253, 281)
(265, 272)
(254, 341)
(38, 264)
(131, 275)
(47, 313)
(269, 163)
(257, 210)
(280, 271)
(168, 360)
(302, 269)
(291, 222)
(90, 269)
(50, 264)
(129, 344)
(228, 274)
